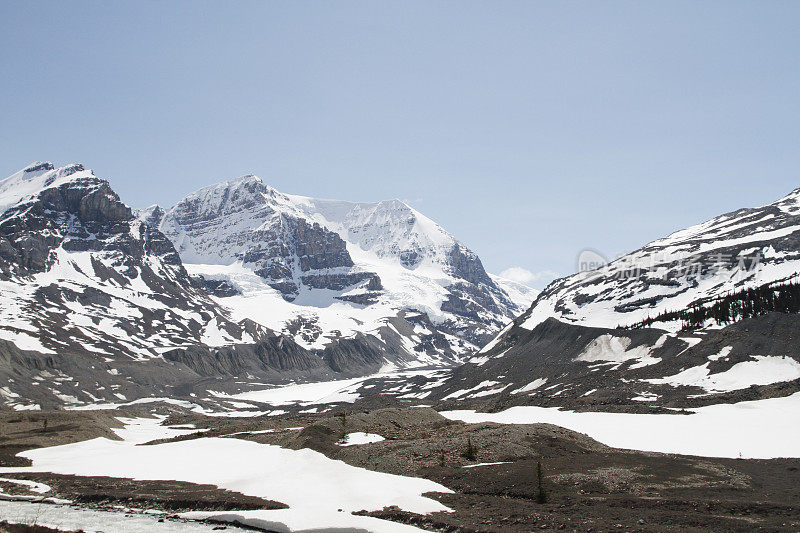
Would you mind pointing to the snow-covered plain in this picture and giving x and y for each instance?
(305, 393)
(761, 429)
(323, 392)
(321, 493)
(315, 395)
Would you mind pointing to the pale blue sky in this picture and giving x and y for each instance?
(530, 130)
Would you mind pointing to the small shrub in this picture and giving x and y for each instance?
(471, 453)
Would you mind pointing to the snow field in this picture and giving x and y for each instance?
(321, 493)
(761, 429)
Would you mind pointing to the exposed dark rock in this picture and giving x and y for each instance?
(217, 287)
(339, 282)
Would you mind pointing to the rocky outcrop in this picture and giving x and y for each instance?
(274, 356)
(467, 265)
(290, 252)
(217, 287)
(339, 282)
(82, 214)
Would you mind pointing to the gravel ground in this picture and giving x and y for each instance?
(590, 487)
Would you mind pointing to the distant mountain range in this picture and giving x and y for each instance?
(236, 281)
(239, 284)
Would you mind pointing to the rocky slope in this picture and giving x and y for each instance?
(326, 270)
(582, 343)
(631, 370)
(85, 274)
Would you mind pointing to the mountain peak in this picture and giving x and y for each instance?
(247, 178)
(396, 202)
(152, 215)
(789, 203)
(246, 181)
(249, 184)
(31, 180)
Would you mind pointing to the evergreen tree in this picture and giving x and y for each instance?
(736, 306)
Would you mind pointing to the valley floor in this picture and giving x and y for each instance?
(404, 468)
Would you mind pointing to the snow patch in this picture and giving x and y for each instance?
(358, 438)
(763, 370)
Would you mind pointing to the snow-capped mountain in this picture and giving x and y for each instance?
(326, 269)
(745, 248)
(96, 304)
(80, 272)
(519, 293)
(618, 335)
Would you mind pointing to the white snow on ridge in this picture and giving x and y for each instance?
(532, 386)
(24, 341)
(744, 249)
(764, 370)
(752, 430)
(75, 270)
(385, 228)
(484, 388)
(26, 184)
